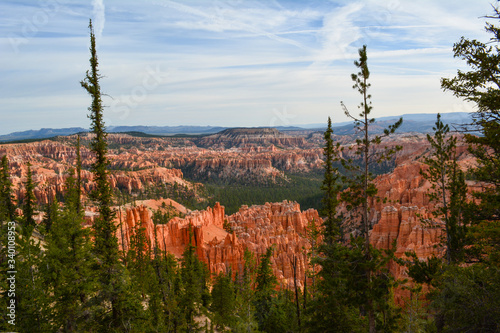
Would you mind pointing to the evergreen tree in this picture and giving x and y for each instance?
(113, 278)
(223, 301)
(354, 293)
(331, 189)
(8, 235)
(448, 189)
(50, 215)
(195, 295)
(462, 290)
(361, 187)
(32, 300)
(332, 308)
(467, 299)
(7, 207)
(164, 303)
(245, 296)
(161, 283)
(30, 297)
(481, 86)
(313, 233)
(78, 194)
(359, 178)
(71, 197)
(68, 263)
(139, 261)
(29, 204)
(106, 245)
(268, 312)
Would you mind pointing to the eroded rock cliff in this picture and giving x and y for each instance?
(281, 225)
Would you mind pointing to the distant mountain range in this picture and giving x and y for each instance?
(421, 123)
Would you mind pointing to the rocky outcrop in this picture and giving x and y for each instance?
(51, 162)
(405, 220)
(281, 225)
(254, 170)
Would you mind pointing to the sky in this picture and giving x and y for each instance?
(234, 63)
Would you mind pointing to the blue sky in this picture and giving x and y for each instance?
(227, 62)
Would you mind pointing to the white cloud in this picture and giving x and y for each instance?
(232, 62)
(99, 17)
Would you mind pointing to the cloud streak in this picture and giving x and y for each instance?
(230, 63)
(98, 12)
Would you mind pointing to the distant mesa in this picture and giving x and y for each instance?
(248, 136)
(250, 132)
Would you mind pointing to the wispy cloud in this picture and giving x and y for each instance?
(99, 17)
(228, 62)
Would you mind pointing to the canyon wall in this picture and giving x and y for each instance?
(281, 225)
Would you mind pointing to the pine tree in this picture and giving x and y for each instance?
(165, 290)
(223, 301)
(78, 175)
(104, 228)
(313, 234)
(354, 292)
(448, 189)
(7, 207)
(359, 181)
(51, 212)
(139, 261)
(68, 267)
(481, 86)
(8, 234)
(32, 300)
(466, 296)
(29, 204)
(195, 295)
(245, 296)
(113, 277)
(331, 188)
(71, 196)
(265, 293)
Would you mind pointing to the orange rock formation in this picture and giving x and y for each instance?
(255, 228)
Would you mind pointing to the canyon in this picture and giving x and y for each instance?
(244, 156)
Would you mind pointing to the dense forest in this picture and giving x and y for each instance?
(58, 276)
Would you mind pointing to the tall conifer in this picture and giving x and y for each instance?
(448, 189)
(370, 294)
(112, 276)
(106, 244)
(78, 175)
(29, 203)
(331, 189)
(7, 207)
(480, 84)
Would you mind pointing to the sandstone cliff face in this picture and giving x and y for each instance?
(255, 228)
(402, 217)
(51, 161)
(282, 225)
(406, 217)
